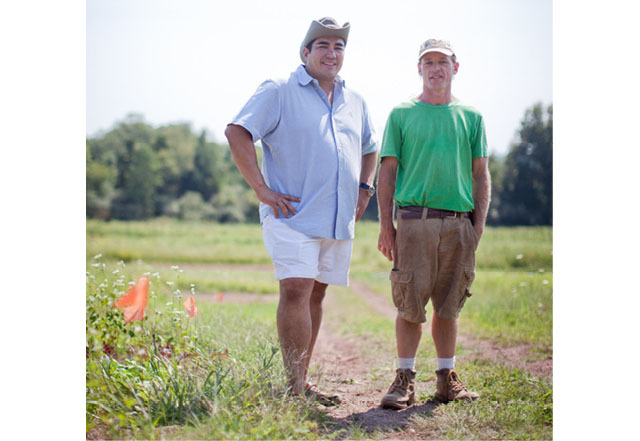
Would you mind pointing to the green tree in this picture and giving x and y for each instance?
(526, 196)
(136, 171)
(99, 187)
(139, 184)
(206, 170)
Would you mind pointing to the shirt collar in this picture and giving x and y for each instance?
(304, 78)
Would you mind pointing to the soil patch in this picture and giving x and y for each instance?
(339, 366)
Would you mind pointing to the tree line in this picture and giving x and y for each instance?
(136, 171)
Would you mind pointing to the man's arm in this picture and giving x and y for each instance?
(481, 193)
(386, 189)
(244, 155)
(367, 174)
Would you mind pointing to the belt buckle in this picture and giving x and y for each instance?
(455, 215)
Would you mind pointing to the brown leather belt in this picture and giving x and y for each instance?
(415, 212)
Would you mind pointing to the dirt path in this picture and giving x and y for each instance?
(340, 367)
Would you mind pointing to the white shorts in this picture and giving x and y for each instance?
(296, 254)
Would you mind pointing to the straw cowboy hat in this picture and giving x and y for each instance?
(325, 27)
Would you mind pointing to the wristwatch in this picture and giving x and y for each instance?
(371, 190)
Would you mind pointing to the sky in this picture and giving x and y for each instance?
(199, 61)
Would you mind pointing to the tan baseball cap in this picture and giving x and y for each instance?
(433, 45)
(324, 27)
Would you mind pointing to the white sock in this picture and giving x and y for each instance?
(407, 363)
(446, 363)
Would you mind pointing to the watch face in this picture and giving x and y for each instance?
(370, 190)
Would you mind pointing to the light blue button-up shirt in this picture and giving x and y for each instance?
(311, 150)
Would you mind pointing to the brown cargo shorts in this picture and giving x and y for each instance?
(434, 259)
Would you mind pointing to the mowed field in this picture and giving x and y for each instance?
(219, 375)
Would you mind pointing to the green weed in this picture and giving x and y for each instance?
(219, 371)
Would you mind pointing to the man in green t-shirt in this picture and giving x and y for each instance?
(434, 165)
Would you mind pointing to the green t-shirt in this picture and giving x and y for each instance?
(434, 145)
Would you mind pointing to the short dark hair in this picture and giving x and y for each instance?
(310, 44)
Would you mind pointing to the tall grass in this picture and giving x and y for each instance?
(511, 308)
(222, 366)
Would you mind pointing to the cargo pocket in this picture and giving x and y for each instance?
(469, 277)
(400, 287)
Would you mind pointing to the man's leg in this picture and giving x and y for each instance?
(315, 308)
(295, 328)
(401, 394)
(444, 333)
(456, 271)
(449, 386)
(408, 337)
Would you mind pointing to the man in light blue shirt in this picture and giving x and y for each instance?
(318, 167)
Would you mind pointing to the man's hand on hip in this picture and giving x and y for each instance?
(277, 201)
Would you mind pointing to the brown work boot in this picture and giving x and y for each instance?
(450, 387)
(402, 392)
(324, 398)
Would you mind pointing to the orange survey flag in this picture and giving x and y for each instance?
(190, 306)
(134, 300)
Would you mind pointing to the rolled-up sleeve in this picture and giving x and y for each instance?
(261, 114)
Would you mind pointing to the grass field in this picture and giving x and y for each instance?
(219, 375)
